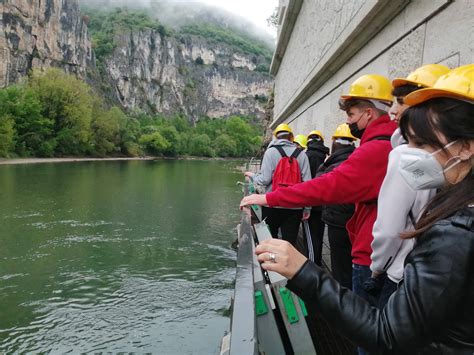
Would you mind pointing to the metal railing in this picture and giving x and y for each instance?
(266, 317)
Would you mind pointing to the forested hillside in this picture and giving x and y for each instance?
(140, 88)
(55, 114)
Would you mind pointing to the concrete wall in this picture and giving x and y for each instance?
(333, 42)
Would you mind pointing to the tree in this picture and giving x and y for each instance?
(68, 102)
(106, 131)
(129, 134)
(172, 136)
(200, 145)
(180, 123)
(225, 146)
(33, 132)
(272, 20)
(245, 136)
(154, 143)
(6, 135)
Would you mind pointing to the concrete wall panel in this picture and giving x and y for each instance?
(317, 29)
(422, 33)
(450, 35)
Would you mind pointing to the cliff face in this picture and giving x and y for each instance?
(41, 34)
(147, 70)
(169, 75)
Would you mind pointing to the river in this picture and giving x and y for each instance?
(127, 256)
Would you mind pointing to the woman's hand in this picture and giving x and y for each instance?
(254, 199)
(280, 256)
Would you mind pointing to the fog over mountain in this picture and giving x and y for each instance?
(177, 13)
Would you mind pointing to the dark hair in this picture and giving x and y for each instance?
(404, 90)
(347, 104)
(455, 120)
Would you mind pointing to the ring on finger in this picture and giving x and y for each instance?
(272, 258)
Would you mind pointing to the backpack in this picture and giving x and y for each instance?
(287, 171)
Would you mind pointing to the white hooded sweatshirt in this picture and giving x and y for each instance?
(396, 200)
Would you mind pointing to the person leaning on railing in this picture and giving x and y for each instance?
(432, 311)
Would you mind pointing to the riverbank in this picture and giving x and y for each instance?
(69, 160)
(62, 160)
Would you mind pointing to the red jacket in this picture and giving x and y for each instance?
(357, 180)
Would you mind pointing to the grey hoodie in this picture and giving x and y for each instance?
(271, 158)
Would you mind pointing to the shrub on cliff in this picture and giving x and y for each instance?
(104, 25)
(236, 39)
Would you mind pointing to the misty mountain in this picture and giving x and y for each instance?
(176, 14)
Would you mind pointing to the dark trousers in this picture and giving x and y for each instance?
(388, 288)
(341, 259)
(316, 228)
(360, 273)
(288, 221)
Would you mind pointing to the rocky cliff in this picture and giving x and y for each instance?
(168, 74)
(146, 70)
(40, 34)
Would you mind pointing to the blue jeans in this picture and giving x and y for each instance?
(360, 274)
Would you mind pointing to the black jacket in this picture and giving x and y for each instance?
(317, 153)
(432, 312)
(336, 215)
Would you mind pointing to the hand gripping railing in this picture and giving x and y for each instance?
(266, 317)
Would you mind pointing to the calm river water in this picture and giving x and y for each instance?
(117, 256)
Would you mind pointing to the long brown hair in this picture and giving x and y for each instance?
(455, 120)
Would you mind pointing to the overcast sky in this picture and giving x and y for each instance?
(256, 11)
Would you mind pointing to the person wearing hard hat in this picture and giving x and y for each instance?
(336, 216)
(301, 141)
(358, 179)
(423, 77)
(431, 312)
(285, 220)
(388, 249)
(317, 153)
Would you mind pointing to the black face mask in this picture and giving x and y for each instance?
(355, 131)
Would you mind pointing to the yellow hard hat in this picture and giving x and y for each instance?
(301, 140)
(316, 132)
(343, 131)
(425, 75)
(458, 84)
(371, 86)
(282, 127)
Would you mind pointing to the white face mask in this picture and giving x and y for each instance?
(422, 171)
